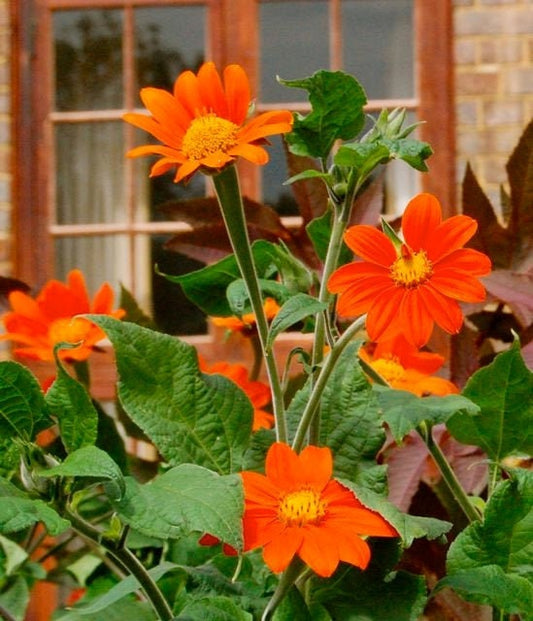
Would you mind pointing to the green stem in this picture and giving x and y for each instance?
(258, 357)
(321, 382)
(289, 577)
(229, 197)
(448, 474)
(127, 559)
(494, 475)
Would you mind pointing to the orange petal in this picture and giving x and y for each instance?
(251, 152)
(458, 285)
(445, 311)
(348, 274)
(148, 124)
(467, 260)
(370, 244)
(422, 215)
(211, 90)
(450, 235)
(23, 304)
(416, 322)
(280, 551)
(260, 489)
(382, 316)
(187, 92)
(186, 169)
(316, 466)
(266, 124)
(76, 283)
(155, 149)
(360, 297)
(353, 549)
(168, 112)
(319, 550)
(103, 300)
(282, 467)
(238, 95)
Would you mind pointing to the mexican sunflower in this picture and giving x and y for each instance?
(406, 287)
(246, 324)
(41, 323)
(298, 509)
(404, 367)
(257, 392)
(203, 122)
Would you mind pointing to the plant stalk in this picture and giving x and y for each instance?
(448, 474)
(289, 577)
(229, 197)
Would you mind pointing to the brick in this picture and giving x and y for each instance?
(502, 112)
(493, 169)
(470, 143)
(496, 20)
(500, 50)
(465, 51)
(477, 83)
(463, 2)
(501, 140)
(466, 113)
(519, 81)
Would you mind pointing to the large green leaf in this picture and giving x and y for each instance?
(71, 404)
(404, 411)
(92, 463)
(23, 411)
(214, 608)
(206, 287)
(337, 101)
(350, 422)
(490, 561)
(18, 511)
(190, 417)
(294, 310)
(14, 598)
(188, 498)
(503, 391)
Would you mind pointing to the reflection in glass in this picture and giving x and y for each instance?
(293, 44)
(378, 46)
(168, 40)
(101, 258)
(88, 59)
(274, 174)
(90, 172)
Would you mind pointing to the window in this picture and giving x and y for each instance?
(80, 63)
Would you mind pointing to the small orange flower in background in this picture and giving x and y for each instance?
(407, 290)
(203, 123)
(41, 323)
(404, 367)
(246, 324)
(297, 508)
(257, 392)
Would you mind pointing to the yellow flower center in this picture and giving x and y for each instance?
(302, 507)
(411, 269)
(208, 134)
(390, 369)
(68, 330)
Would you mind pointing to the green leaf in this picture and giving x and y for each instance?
(413, 152)
(23, 411)
(404, 411)
(93, 463)
(239, 300)
(18, 511)
(490, 585)
(14, 599)
(502, 390)
(206, 287)
(188, 498)
(350, 420)
(319, 232)
(363, 156)
(409, 527)
(337, 101)
(213, 609)
(15, 556)
(294, 310)
(70, 402)
(190, 417)
(310, 173)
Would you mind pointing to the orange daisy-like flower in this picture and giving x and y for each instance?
(40, 324)
(246, 324)
(257, 392)
(404, 367)
(406, 289)
(297, 508)
(203, 123)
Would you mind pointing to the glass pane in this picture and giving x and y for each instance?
(101, 258)
(378, 46)
(168, 40)
(90, 173)
(293, 44)
(172, 311)
(274, 174)
(88, 59)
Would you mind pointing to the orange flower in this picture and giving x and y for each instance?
(246, 323)
(406, 368)
(202, 124)
(297, 508)
(407, 289)
(257, 392)
(40, 324)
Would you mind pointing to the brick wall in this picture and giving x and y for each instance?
(5, 150)
(494, 84)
